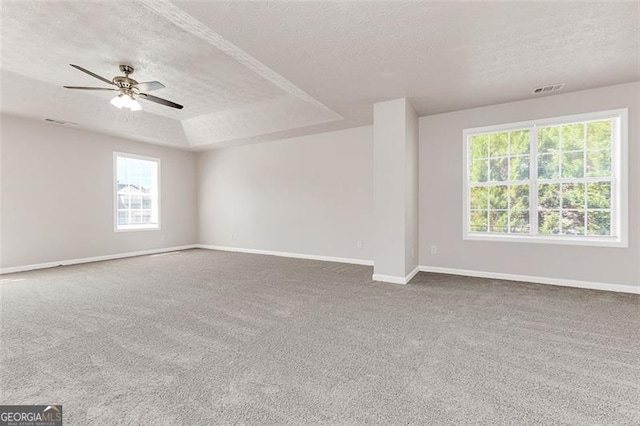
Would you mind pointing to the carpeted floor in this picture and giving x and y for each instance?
(207, 337)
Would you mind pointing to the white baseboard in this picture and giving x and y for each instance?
(621, 288)
(396, 280)
(91, 259)
(412, 274)
(376, 277)
(286, 254)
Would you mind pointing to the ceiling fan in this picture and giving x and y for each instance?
(129, 89)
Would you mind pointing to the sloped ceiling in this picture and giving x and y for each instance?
(256, 71)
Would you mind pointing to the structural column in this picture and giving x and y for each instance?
(395, 191)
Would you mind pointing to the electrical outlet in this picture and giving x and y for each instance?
(233, 236)
(434, 249)
(359, 244)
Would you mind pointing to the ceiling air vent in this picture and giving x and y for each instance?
(60, 122)
(547, 89)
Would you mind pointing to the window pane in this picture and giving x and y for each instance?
(519, 143)
(479, 197)
(479, 147)
(519, 223)
(499, 221)
(573, 222)
(123, 201)
(499, 144)
(549, 196)
(499, 168)
(573, 137)
(146, 202)
(136, 201)
(519, 197)
(599, 163)
(549, 222)
(479, 171)
(548, 166)
(599, 134)
(136, 218)
(572, 164)
(548, 139)
(598, 222)
(573, 196)
(599, 195)
(519, 168)
(498, 197)
(122, 217)
(479, 221)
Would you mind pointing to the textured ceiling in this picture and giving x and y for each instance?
(228, 95)
(442, 55)
(256, 71)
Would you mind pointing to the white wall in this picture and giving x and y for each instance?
(307, 195)
(441, 206)
(389, 189)
(57, 195)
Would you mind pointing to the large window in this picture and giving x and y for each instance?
(560, 180)
(136, 192)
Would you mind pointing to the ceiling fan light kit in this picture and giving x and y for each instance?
(128, 88)
(126, 101)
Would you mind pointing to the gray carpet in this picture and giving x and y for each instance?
(206, 337)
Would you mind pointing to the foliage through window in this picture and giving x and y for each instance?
(554, 179)
(136, 190)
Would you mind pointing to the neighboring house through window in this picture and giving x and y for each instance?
(560, 180)
(137, 189)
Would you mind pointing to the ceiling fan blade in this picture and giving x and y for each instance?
(160, 101)
(90, 88)
(92, 74)
(148, 86)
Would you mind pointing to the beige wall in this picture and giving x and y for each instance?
(308, 195)
(57, 195)
(441, 206)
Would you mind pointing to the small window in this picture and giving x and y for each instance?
(137, 189)
(560, 180)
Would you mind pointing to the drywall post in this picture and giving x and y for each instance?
(395, 191)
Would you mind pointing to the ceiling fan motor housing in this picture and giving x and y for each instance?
(125, 82)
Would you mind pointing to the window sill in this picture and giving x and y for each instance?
(540, 239)
(130, 228)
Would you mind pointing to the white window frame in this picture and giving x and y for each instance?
(134, 227)
(619, 191)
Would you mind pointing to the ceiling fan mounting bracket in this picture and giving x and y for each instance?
(126, 69)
